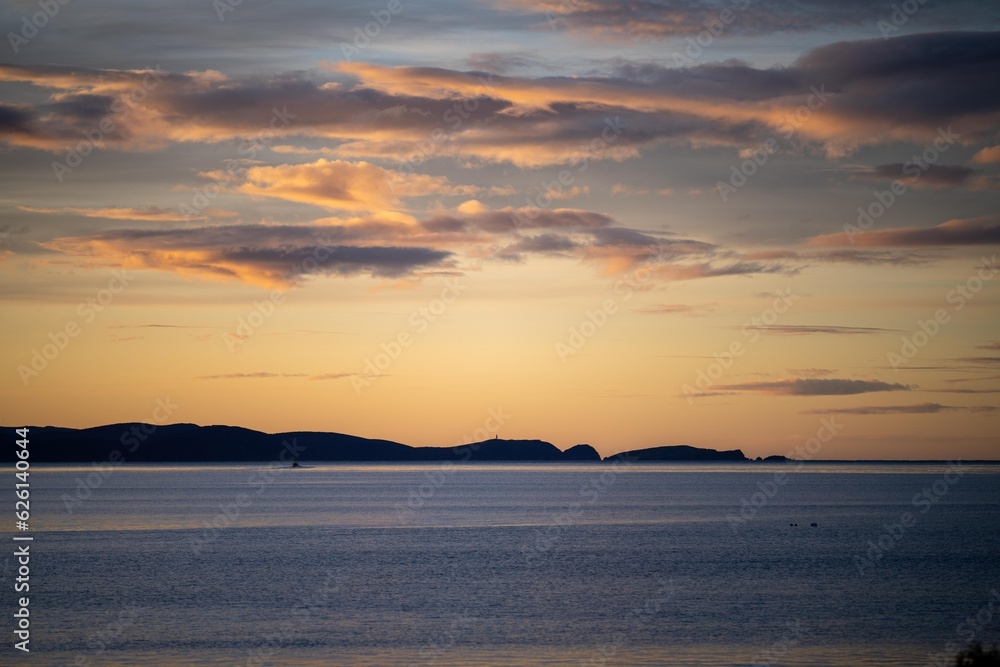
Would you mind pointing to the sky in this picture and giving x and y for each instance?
(767, 225)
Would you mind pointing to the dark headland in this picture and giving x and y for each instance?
(179, 443)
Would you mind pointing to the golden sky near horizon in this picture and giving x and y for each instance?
(627, 225)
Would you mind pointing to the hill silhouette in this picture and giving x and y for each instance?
(174, 443)
(681, 453)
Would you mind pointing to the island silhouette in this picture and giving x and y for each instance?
(177, 443)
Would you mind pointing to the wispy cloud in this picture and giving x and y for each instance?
(163, 326)
(847, 256)
(980, 361)
(258, 375)
(268, 256)
(936, 176)
(965, 391)
(811, 372)
(687, 310)
(150, 214)
(975, 379)
(983, 230)
(707, 394)
(816, 387)
(386, 112)
(807, 329)
(916, 409)
(631, 190)
(304, 331)
(629, 21)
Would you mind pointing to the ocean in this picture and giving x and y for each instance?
(509, 564)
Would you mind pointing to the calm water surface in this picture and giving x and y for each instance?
(509, 565)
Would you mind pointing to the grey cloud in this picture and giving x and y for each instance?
(984, 230)
(509, 220)
(805, 329)
(542, 243)
(911, 85)
(255, 375)
(966, 391)
(500, 63)
(917, 409)
(817, 387)
(266, 255)
(633, 19)
(677, 309)
(871, 257)
(936, 175)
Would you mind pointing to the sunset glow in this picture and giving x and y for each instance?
(602, 225)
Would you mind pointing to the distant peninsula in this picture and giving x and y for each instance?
(191, 443)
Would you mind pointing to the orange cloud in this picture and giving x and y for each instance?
(830, 101)
(988, 155)
(267, 256)
(152, 213)
(984, 230)
(629, 20)
(397, 247)
(350, 186)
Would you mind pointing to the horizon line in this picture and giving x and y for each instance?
(749, 459)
